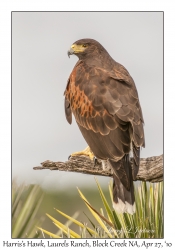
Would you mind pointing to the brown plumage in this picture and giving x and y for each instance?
(103, 98)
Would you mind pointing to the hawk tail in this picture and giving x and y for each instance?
(123, 190)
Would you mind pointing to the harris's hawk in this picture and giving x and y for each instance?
(103, 97)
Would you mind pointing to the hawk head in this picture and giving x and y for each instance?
(86, 48)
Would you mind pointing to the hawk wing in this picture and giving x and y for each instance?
(107, 109)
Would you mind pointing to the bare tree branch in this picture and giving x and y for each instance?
(151, 168)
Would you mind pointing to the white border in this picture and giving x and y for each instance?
(5, 93)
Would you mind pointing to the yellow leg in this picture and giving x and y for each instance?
(87, 151)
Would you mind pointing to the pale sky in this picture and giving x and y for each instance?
(41, 67)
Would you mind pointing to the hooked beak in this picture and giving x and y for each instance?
(70, 52)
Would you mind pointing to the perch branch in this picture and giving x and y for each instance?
(151, 168)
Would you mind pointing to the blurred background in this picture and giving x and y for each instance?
(40, 69)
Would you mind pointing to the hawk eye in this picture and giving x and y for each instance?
(84, 45)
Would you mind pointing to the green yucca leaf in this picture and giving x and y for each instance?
(100, 215)
(116, 219)
(93, 225)
(96, 216)
(48, 233)
(64, 228)
(106, 205)
(77, 222)
(128, 221)
(26, 201)
(67, 223)
(16, 196)
(102, 212)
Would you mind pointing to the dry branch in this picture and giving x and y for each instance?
(151, 168)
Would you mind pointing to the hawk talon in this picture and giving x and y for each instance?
(86, 152)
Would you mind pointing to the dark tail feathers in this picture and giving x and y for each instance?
(123, 189)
